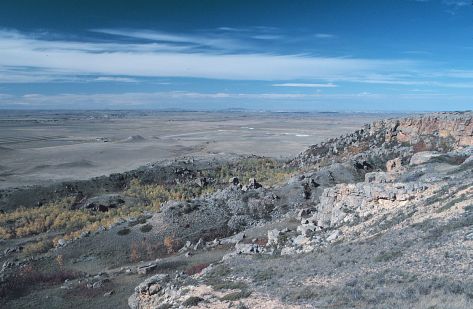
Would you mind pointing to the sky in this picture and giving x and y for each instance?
(397, 55)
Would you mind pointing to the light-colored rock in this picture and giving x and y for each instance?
(307, 229)
(423, 157)
(333, 236)
(393, 165)
(199, 245)
(273, 237)
(248, 249)
(144, 270)
(301, 240)
(288, 251)
(234, 181)
(253, 184)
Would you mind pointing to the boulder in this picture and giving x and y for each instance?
(273, 237)
(333, 236)
(393, 165)
(152, 285)
(253, 184)
(304, 213)
(199, 244)
(423, 157)
(104, 203)
(307, 229)
(234, 181)
(202, 182)
(301, 240)
(144, 270)
(248, 248)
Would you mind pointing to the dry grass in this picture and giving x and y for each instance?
(59, 217)
(37, 247)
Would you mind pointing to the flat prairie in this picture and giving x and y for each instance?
(42, 146)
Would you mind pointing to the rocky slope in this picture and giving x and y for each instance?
(385, 220)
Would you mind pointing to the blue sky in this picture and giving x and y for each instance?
(402, 55)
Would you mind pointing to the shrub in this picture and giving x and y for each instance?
(37, 247)
(58, 216)
(230, 285)
(192, 301)
(195, 269)
(303, 293)
(386, 256)
(134, 255)
(169, 244)
(146, 228)
(124, 231)
(236, 295)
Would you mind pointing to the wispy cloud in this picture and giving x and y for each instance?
(190, 41)
(24, 56)
(324, 35)
(302, 85)
(115, 79)
(39, 59)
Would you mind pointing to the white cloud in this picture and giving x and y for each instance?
(22, 57)
(36, 59)
(302, 85)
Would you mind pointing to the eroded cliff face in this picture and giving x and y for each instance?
(385, 139)
(456, 130)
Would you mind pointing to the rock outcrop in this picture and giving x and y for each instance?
(441, 131)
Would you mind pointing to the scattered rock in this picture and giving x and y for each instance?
(234, 181)
(248, 248)
(423, 157)
(253, 184)
(109, 293)
(273, 237)
(199, 245)
(333, 236)
(144, 270)
(393, 165)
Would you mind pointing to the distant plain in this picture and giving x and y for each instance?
(39, 147)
